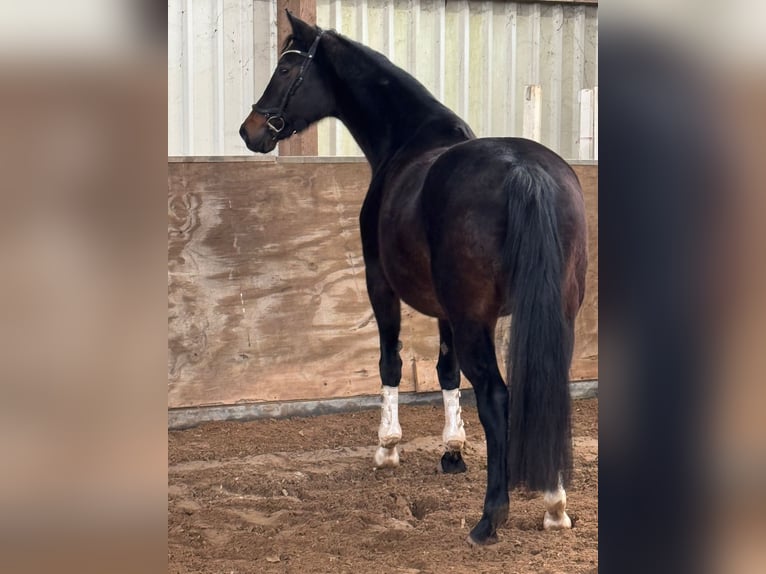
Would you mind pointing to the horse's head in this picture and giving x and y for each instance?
(296, 95)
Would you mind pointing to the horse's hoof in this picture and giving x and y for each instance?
(452, 463)
(487, 542)
(386, 457)
(555, 510)
(562, 522)
(483, 534)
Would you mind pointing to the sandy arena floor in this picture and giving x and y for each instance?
(301, 496)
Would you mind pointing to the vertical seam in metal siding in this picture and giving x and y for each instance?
(246, 51)
(219, 121)
(534, 61)
(557, 34)
(362, 25)
(578, 67)
(511, 14)
(486, 16)
(273, 47)
(188, 97)
(463, 23)
(335, 22)
(413, 24)
(274, 39)
(175, 99)
(594, 21)
(441, 24)
(389, 43)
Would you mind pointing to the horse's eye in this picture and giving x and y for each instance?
(283, 71)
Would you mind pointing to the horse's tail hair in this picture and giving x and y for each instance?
(540, 349)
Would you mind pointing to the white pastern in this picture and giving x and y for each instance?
(389, 431)
(556, 517)
(454, 431)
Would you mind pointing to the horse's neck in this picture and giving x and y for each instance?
(384, 109)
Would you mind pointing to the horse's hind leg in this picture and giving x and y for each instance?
(556, 517)
(476, 352)
(387, 309)
(555, 499)
(453, 434)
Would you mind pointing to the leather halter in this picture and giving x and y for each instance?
(275, 117)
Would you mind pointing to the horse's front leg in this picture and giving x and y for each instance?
(387, 308)
(453, 434)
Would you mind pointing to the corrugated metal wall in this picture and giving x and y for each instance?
(220, 55)
(478, 57)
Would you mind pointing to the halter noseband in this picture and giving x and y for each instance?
(275, 117)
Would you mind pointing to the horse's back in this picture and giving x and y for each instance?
(483, 165)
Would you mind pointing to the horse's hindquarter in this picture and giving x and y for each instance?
(465, 201)
(442, 219)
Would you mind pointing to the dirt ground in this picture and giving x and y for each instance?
(300, 495)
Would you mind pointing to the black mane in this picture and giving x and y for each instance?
(378, 66)
(369, 87)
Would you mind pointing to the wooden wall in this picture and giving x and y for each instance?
(266, 293)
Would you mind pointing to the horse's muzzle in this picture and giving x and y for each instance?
(263, 143)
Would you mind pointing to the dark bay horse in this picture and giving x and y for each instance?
(462, 229)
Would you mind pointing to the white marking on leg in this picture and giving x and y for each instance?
(386, 457)
(556, 517)
(454, 431)
(389, 431)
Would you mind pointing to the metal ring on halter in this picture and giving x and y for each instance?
(274, 128)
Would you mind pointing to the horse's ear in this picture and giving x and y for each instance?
(303, 33)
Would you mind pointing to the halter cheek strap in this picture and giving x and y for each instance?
(275, 117)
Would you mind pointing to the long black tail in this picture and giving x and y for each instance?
(540, 350)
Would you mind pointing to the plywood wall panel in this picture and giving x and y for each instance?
(266, 291)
